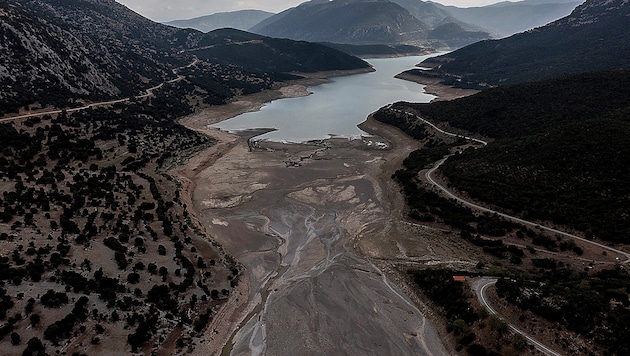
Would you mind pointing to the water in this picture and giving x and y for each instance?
(335, 108)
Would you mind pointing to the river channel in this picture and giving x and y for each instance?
(335, 108)
(296, 216)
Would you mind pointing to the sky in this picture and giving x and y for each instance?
(167, 10)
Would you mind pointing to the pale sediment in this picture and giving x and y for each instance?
(302, 232)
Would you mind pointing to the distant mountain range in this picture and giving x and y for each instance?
(369, 22)
(594, 37)
(507, 18)
(53, 53)
(389, 22)
(240, 20)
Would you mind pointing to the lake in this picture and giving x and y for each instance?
(335, 108)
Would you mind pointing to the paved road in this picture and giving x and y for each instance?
(431, 180)
(480, 286)
(148, 92)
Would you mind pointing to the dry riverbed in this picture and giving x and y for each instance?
(319, 228)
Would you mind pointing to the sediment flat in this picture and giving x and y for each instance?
(311, 225)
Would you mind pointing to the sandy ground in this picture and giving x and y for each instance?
(319, 229)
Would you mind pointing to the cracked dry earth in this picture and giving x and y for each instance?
(294, 216)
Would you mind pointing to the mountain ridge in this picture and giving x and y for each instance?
(240, 20)
(61, 54)
(362, 22)
(581, 42)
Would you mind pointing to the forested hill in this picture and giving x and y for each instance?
(54, 53)
(594, 37)
(561, 150)
(266, 54)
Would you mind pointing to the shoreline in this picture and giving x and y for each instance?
(233, 312)
(435, 87)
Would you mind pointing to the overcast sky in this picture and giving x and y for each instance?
(166, 10)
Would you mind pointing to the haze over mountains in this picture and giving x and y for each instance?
(507, 18)
(381, 22)
(367, 22)
(240, 20)
(593, 37)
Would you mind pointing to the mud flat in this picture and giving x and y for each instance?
(289, 214)
(314, 225)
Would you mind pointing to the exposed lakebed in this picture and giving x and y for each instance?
(302, 231)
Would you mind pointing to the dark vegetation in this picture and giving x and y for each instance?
(468, 326)
(595, 306)
(85, 207)
(592, 38)
(560, 151)
(266, 54)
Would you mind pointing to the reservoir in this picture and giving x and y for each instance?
(335, 108)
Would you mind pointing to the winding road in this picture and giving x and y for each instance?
(480, 286)
(148, 92)
(429, 177)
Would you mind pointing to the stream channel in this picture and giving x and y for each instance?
(294, 227)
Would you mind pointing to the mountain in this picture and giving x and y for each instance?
(507, 18)
(559, 152)
(54, 50)
(265, 54)
(57, 53)
(357, 22)
(241, 20)
(593, 38)
(344, 21)
(558, 155)
(433, 14)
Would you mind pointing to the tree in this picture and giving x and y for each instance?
(34, 348)
(35, 318)
(15, 338)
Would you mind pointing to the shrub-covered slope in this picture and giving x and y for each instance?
(561, 150)
(594, 37)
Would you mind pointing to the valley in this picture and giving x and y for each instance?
(302, 232)
(483, 212)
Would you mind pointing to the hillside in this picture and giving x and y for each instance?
(593, 38)
(52, 56)
(559, 154)
(240, 20)
(265, 54)
(434, 14)
(355, 22)
(102, 251)
(507, 18)
(52, 51)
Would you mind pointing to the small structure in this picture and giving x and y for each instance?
(459, 278)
